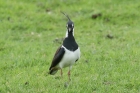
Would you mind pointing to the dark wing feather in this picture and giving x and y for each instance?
(57, 57)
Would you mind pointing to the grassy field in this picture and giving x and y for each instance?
(107, 31)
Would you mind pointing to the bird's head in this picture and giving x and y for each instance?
(70, 24)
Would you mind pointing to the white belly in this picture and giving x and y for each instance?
(69, 58)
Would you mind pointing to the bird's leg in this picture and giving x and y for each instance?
(61, 72)
(69, 75)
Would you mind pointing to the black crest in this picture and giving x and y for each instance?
(70, 24)
(66, 16)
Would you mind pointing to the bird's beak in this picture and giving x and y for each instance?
(69, 29)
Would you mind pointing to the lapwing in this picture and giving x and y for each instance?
(68, 53)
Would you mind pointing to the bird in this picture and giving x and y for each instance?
(68, 53)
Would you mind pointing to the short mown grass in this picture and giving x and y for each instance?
(106, 31)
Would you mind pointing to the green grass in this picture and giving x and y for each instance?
(28, 33)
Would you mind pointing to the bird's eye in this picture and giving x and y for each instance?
(67, 25)
(72, 26)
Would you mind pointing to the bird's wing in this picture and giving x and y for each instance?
(57, 57)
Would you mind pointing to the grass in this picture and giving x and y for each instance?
(31, 31)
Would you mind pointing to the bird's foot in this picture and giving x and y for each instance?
(66, 84)
(57, 77)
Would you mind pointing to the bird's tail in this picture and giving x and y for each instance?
(53, 71)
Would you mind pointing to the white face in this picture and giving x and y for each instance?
(70, 27)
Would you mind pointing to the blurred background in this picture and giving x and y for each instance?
(107, 32)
